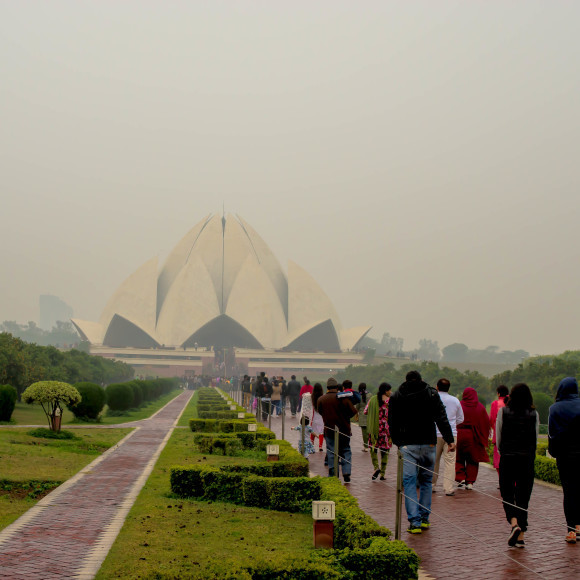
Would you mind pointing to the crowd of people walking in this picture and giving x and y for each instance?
(428, 424)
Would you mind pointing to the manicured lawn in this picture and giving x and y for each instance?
(168, 537)
(34, 415)
(190, 412)
(143, 412)
(24, 458)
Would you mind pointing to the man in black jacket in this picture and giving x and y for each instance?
(293, 393)
(413, 412)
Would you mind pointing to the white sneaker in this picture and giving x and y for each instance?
(469, 486)
(461, 484)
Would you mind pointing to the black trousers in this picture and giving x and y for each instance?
(516, 480)
(569, 468)
(294, 400)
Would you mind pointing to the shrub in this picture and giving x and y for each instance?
(119, 396)
(381, 559)
(48, 434)
(137, 393)
(51, 395)
(542, 448)
(542, 402)
(8, 396)
(546, 469)
(91, 403)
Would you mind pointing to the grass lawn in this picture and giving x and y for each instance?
(168, 537)
(25, 414)
(24, 458)
(190, 412)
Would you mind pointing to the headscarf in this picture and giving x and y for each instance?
(475, 416)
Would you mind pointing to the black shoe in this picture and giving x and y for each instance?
(383, 478)
(376, 473)
(513, 538)
(346, 478)
(520, 544)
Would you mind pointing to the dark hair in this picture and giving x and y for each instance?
(503, 391)
(520, 398)
(413, 376)
(362, 389)
(317, 392)
(293, 377)
(383, 388)
(347, 384)
(443, 385)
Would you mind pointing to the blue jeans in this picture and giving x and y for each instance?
(416, 457)
(344, 453)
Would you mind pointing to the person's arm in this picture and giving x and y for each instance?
(460, 416)
(498, 426)
(440, 417)
(537, 425)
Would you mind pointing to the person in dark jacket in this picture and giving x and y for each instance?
(293, 394)
(413, 412)
(517, 428)
(564, 445)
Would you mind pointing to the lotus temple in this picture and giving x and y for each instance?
(222, 289)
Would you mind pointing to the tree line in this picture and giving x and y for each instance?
(22, 364)
(62, 334)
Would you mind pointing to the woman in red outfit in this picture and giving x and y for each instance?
(502, 393)
(472, 437)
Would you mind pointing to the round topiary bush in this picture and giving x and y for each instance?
(8, 396)
(137, 393)
(92, 402)
(119, 396)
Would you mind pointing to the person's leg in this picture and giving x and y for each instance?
(345, 455)
(374, 456)
(566, 470)
(425, 475)
(384, 460)
(330, 453)
(410, 457)
(320, 441)
(439, 451)
(524, 484)
(449, 469)
(471, 471)
(507, 487)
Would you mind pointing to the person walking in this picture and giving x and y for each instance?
(317, 423)
(472, 438)
(276, 395)
(293, 394)
(517, 429)
(377, 413)
(564, 445)
(455, 417)
(362, 418)
(502, 393)
(414, 410)
(336, 413)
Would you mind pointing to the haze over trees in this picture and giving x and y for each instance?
(63, 334)
(22, 364)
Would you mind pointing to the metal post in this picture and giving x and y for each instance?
(336, 444)
(283, 420)
(303, 433)
(270, 414)
(259, 410)
(399, 495)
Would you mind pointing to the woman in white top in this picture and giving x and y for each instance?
(309, 402)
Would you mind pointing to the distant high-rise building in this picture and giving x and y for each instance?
(52, 308)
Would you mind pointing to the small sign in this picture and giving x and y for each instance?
(233, 407)
(252, 426)
(323, 510)
(272, 449)
(241, 415)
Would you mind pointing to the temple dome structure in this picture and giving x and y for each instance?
(221, 286)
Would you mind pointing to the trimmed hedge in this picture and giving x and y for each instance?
(546, 469)
(8, 396)
(119, 397)
(292, 494)
(92, 401)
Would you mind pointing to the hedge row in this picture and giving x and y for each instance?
(546, 469)
(132, 394)
(249, 440)
(224, 426)
(291, 494)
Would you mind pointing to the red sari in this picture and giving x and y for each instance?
(472, 437)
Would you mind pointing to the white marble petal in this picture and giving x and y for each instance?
(190, 303)
(91, 331)
(308, 305)
(135, 299)
(255, 304)
(350, 337)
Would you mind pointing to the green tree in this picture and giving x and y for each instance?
(456, 352)
(52, 395)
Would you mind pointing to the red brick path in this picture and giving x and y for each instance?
(448, 550)
(68, 533)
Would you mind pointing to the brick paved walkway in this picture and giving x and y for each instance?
(69, 532)
(447, 550)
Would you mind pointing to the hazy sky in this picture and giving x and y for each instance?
(419, 159)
